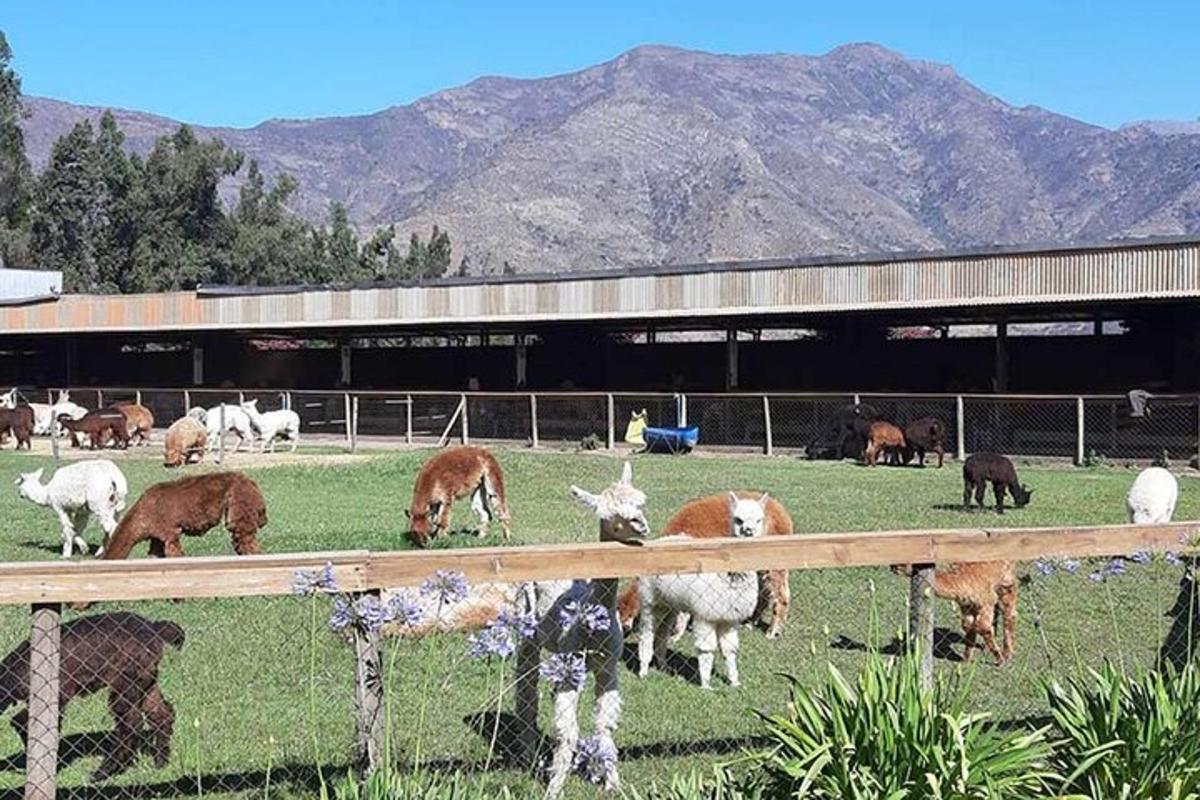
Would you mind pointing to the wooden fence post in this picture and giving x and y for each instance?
(466, 428)
(54, 439)
(920, 620)
(368, 698)
(408, 430)
(959, 428)
(346, 414)
(41, 750)
(612, 423)
(533, 420)
(1079, 432)
(769, 444)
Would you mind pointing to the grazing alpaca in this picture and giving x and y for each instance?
(1152, 497)
(140, 419)
(449, 476)
(272, 425)
(927, 434)
(977, 589)
(718, 602)
(980, 468)
(709, 517)
(119, 652)
(19, 422)
(620, 509)
(191, 507)
(236, 420)
(74, 493)
(185, 439)
(99, 426)
(883, 438)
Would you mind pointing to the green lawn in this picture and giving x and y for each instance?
(255, 690)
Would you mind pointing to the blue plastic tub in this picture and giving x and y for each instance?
(671, 440)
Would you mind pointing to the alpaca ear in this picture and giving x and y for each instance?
(37, 474)
(627, 474)
(407, 514)
(587, 498)
(733, 499)
(762, 501)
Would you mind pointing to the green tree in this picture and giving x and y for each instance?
(270, 246)
(379, 258)
(15, 174)
(69, 209)
(343, 246)
(121, 176)
(437, 254)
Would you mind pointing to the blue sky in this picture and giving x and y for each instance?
(237, 63)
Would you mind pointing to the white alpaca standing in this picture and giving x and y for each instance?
(622, 519)
(1152, 497)
(718, 602)
(236, 420)
(272, 425)
(75, 492)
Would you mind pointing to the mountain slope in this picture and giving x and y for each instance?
(665, 155)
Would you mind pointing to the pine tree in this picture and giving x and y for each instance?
(120, 175)
(437, 254)
(343, 246)
(15, 174)
(68, 216)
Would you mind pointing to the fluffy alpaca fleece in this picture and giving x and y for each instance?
(140, 419)
(191, 507)
(271, 425)
(119, 652)
(977, 589)
(1151, 499)
(236, 420)
(186, 439)
(718, 602)
(38, 413)
(450, 476)
(620, 509)
(927, 434)
(74, 493)
(98, 426)
(709, 518)
(484, 603)
(884, 438)
(19, 422)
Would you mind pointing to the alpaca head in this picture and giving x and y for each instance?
(747, 518)
(424, 523)
(1021, 495)
(26, 482)
(621, 509)
(251, 405)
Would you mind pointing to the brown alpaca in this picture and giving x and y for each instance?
(141, 421)
(19, 422)
(884, 438)
(450, 476)
(708, 518)
(185, 439)
(99, 426)
(191, 507)
(978, 589)
(119, 652)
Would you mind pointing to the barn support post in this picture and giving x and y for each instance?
(1079, 432)
(241, 398)
(960, 432)
(522, 361)
(408, 432)
(920, 620)
(41, 748)
(1000, 380)
(345, 363)
(349, 426)
(612, 423)
(533, 420)
(731, 360)
(768, 444)
(368, 698)
(466, 425)
(197, 363)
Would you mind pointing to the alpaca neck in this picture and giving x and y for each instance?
(605, 592)
(38, 493)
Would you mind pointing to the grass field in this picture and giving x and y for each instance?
(256, 691)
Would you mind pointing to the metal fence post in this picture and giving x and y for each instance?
(466, 427)
(1079, 432)
(41, 748)
(612, 423)
(533, 419)
(346, 414)
(368, 698)
(857, 399)
(221, 435)
(187, 401)
(241, 398)
(99, 398)
(920, 620)
(137, 395)
(354, 424)
(681, 410)
(769, 444)
(959, 427)
(408, 432)
(54, 439)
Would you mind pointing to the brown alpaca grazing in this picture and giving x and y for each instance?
(980, 468)
(19, 422)
(140, 419)
(450, 476)
(978, 589)
(883, 438)
(98, 426)
(927, 434)
(119, 652)
(191, 507)
(186, 438)
(708, 518)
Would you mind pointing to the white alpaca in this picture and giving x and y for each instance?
(272, 425)
(622, 519)
(1152, 497)
(718, 602)
(75, 492)
(236, 420)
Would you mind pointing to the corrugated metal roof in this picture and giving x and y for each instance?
(28, 285)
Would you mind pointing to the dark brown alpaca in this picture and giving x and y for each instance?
(927, 434)
(981, 468)
(98, 426)
(19, 422)
(191, 507)
(119, 652)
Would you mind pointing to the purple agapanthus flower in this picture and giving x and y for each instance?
(1046, 568)
(342, 615)
(405, 610)
(370, 614)
(595, 759)
(523, 625)
(448, 586)
(593, 615)
(1070, 565)
(494, 640)
(1096, 577)
(564, 670)
(1116, 567)
(309, 582)
(1141, 557)
(1172, 558)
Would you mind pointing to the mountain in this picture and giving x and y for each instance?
(665, 155)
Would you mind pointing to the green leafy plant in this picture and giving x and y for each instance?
(394, 784)
(1129, 737)
(888, 736)
(717, 785)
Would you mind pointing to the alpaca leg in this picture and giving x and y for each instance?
(969, 633)
(608, 715)
(727, 640)
(780, 592)
(161, 716)
(566, 734)
(679, 628)
(1008, 608)
(68, 531)
(967, 487)
(647, 639)
(985, 623)
(998, 490)
(80, 521)
(480, 508)
(245, 542)
(706, 645)
(980, 490)
(123, 701)
(525, 693)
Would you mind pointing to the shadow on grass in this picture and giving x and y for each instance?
(944, 643)
(37, 544)
(678, 665)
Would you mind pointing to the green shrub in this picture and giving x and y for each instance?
(394, 784)
(887, 736)
(718, 785)
(1129, 738)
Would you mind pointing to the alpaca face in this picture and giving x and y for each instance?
(25, 482)
(621, 509)
(1021, 496)
(747, 518)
